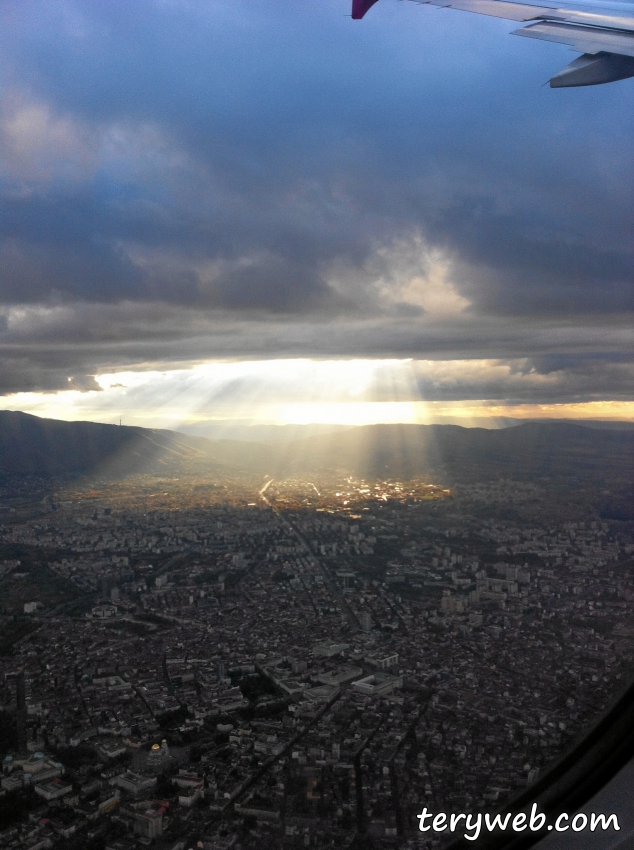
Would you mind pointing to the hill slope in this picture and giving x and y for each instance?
(526, 451)
(31, 445)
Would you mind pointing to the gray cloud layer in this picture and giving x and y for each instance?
(184, 180)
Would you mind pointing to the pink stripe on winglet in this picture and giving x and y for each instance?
(360, 7)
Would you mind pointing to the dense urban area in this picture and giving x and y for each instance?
(294, 663)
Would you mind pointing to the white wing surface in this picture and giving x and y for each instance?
(602, 32)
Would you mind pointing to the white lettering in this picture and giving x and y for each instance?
(559, 820)
(584, 822)
(605, 822)
(475, 825)
(422, 817)
(541, 817)
(492, 823)
(454, 820)
(439, 822)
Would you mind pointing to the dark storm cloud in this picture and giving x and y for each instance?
(25, 375)
(41, 354)
(523, 384)
(252, 159)
(274, 282)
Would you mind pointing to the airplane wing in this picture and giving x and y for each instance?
(604, 35)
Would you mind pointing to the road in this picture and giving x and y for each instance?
(331, 585)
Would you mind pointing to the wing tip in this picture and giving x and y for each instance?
(360, 7)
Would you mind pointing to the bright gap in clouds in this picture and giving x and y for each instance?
(466, 413)
(274, 392)
(322, 392)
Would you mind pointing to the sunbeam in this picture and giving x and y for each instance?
(201, 398)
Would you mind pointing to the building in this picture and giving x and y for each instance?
(191, 787)
(328, 649)
(378, 684)
(104, 612)
(340, 676)
(382, 662)
(149, 824)
(158, 756)
(21, 713)
(53, 790)
(134, 783)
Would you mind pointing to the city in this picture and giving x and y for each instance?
(295, 663)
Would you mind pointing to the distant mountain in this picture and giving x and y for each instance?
(238, 429)
(246, 431)
(532, 450)
(31, 445)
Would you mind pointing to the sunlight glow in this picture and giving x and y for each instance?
(352, 413)
(326, 392)
(463, 413)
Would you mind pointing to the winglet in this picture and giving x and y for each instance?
(360, 7)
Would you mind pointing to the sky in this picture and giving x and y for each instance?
(270, 212)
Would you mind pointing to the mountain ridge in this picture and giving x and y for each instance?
(31, 445)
